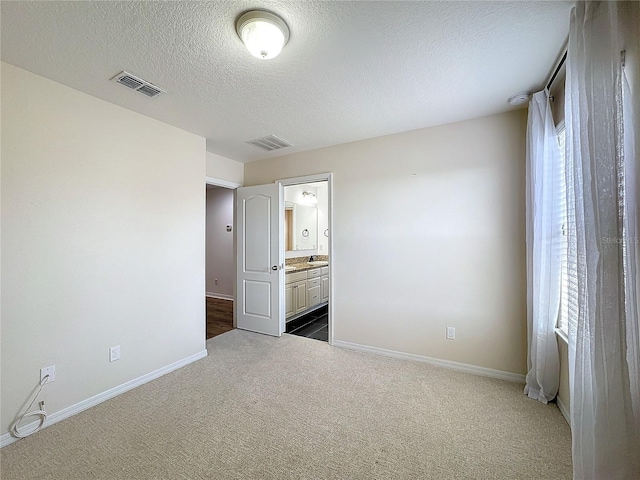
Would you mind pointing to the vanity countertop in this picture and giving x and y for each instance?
(300, 267)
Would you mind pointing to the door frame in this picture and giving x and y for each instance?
(221, 183)
(218, 182)
(320, 177)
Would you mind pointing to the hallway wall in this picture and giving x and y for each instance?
(219, 243)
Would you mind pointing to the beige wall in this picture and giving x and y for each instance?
(102, 243)
(223, 168)
(429, 232)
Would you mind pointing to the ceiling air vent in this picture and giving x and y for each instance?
(149, 90)
(270, 142)
(137, 84)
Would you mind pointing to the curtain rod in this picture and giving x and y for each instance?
(557, 70)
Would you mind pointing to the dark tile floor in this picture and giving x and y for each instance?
(313, 325)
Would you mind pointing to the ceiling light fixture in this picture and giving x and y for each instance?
(263, 33)
(519, 98)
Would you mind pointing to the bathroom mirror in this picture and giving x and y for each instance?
(300, 227)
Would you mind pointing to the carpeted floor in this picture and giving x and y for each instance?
(292, 408)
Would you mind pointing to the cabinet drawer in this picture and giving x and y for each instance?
(313, 273)
(314, 296)
(295, 277)
(314, 282)
(324, 270)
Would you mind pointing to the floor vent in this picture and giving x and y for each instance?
(137, 84)
(270, 142)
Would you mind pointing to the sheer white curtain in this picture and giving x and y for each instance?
(632, 250)
(601, 169)
(544, 249)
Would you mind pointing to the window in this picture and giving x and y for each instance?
(566, 279)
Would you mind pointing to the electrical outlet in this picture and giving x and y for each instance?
(51, 371)
(114, 353)
(451, 333)
(215, 281)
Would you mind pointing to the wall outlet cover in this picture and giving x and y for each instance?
(114, 353)
(451, 333)
(51, 371)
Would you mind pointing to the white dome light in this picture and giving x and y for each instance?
(519, 98)
(263, 33)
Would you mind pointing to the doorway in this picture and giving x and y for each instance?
(219, 253)
(261, 263)
(307, 261)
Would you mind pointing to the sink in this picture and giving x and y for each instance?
(288, 268)
(318, 263)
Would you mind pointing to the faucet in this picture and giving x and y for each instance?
(311, 259)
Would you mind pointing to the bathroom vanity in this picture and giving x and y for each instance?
(306, 288)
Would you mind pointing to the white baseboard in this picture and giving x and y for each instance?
(563, 409)
(462, 367)
(221, 296)
(7, 439)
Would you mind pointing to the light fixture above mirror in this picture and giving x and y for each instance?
(309, 197)
(263, 33)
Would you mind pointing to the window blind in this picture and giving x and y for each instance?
(568, 280)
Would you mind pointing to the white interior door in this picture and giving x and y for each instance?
(260, 263)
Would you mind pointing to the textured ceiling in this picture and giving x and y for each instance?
(351, 70)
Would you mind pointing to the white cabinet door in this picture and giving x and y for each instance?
(300, 294)
(324, 284)
(259, 260)
(289, 306)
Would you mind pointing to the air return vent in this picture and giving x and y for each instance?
(270, 142)
(137, 84)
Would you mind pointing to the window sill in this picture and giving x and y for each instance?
(562, 335)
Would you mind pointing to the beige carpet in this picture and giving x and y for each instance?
(264, 408)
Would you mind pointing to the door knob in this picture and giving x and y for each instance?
(275, 267)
